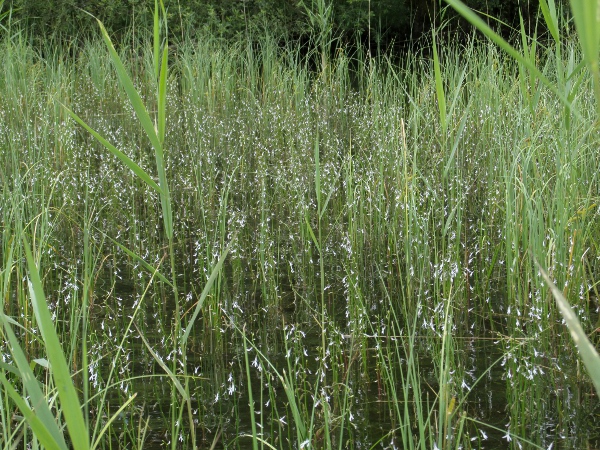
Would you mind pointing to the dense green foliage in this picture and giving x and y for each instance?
(392, 20)
(385, 229)
(379, 237)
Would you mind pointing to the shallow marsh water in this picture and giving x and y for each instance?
(424, 239)
(223, 401)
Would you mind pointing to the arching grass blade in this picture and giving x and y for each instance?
(137, 170)
(69, 401)
(588, 352)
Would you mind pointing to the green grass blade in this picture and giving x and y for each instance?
(147, 125)
(587, 22)
(317, 176)
(165, 198)
(478, 23)
(312, 234)
(36, 396)
(161, 121)
(42, 433)
(586, 14)
(156, 50)
(14, 322)
(251, 402)
(290, 392)
(457, 141)
(518, 439)
(439, 87)
(70, 405)
(458, 91)
(153, 270)
(163, 75)
(10, 368)
(549, 13)
(164, 367)
(137, 170)
(162, 95)
(205, 291)
(326, 203)
(24, 371)
(114, 417)
(287, 383)
(258, 439)
(134, 96)
(588, 352)
(3, 15)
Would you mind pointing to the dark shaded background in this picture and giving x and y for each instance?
(389, 21)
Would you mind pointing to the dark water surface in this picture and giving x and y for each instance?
(566, 415)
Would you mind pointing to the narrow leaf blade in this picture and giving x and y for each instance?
(42, 433)
(205, 291)
(60, 370)
(164, 367)
(134, 97)
(550, 18)
(588, 352)
(137, 170)
(32, 387)
(478, 23)
(162, 94)
(439, 87)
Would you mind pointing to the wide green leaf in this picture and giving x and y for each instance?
(154, 132)
(587, 22)
(162, 79)
(162, 95)
(36, 396)
(69, 401)
(45, 422)
(10, 368)
(586, 14)
(132, 93)
(549, 13)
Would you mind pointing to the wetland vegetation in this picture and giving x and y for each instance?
(305, 248)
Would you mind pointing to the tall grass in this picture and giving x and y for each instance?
(586, 15)
(378, 215)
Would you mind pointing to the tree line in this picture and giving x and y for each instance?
(382, 20)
